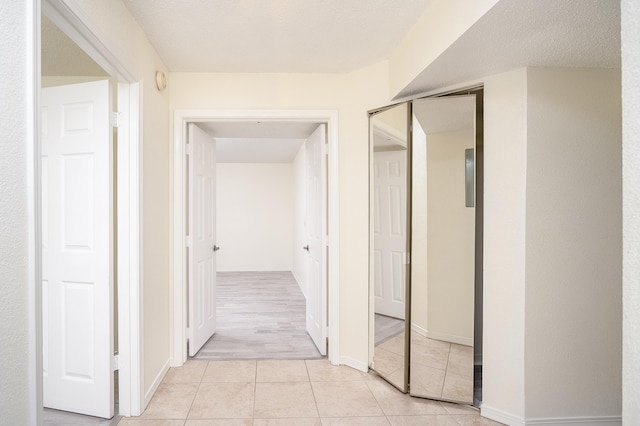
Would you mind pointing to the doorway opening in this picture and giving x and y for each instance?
(89, 201)
(267, 249)
(260, 234)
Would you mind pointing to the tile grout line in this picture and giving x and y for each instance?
(197, 391)
(255, 393)
(315, 401)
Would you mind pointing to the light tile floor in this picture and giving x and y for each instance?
(289, 392)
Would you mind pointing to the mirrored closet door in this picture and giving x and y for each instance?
(443, 249)
(425, 246)
(389, 241)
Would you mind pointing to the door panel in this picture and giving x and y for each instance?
(389, 230)
(77, 249)
(316, 238)
(202, 230)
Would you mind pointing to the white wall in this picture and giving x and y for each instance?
(505, 161)
(254, 216)
(631, 212)
(20, 383)
(552, 245)
(120, 33)
(299, 212)
(573, 296)
(352, 95)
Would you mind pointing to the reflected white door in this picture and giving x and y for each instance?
(202, 238)
(316, 226)
(389, 230)
(77, 287)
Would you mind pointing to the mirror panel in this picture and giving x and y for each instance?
(389, 228)
(443, 248)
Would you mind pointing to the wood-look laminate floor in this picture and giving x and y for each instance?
(260, 315)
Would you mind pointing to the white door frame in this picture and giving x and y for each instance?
(70, 18)
(184, 116)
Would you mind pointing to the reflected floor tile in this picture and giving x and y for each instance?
(394, 403)
(282, 371)
(320, 370)
(293, 399)
(220, 422)
(426, 381)
(458, 388)
(341, 399)
(171, 401)
(386, 362)
(230, 371)
(190, 372)
(461, 364)
(355, 421)
(395, 345)
(223, 401)
(138, 422)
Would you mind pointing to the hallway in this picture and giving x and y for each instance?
(260, 315)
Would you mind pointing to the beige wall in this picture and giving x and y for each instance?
(505, 167)
(631, 197)
(450, 239)
(121, 33)
(552, 245)
(573, 295)
(351, 95)
(254, 216)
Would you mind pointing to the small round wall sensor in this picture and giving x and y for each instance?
(161, 81)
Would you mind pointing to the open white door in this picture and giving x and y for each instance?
(316, 225)
(389, 231)
(201, 239)
(77, 287)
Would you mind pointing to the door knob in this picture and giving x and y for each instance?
(306, 247)
(215, 248)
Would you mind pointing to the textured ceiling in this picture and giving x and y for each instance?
(521, 33)
(307, 36)
(257, 141)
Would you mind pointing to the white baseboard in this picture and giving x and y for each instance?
(501, 416)
(154, 386)
(417, 329)
(591, 421)
(460, 340)
(350, 362)
(299, 286)
(511, 420)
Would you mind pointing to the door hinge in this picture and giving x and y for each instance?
(408, 258)
(116, 119)
(188, 149)
(116, 362)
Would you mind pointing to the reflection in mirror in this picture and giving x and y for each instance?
(389, 189)
(443, 249)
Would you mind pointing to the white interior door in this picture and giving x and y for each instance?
(316, 226)
(389, 230)
(201, 239)
(77, 287)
